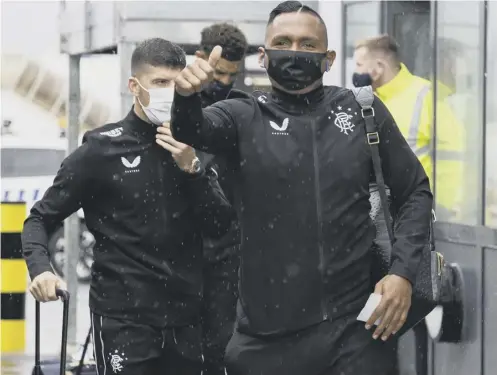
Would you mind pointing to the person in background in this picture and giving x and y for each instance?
(303, 169)
(221, 255)
(147, 209)
(456, 86)
(410, 100)
(228, 67)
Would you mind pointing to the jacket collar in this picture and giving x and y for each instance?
(298, 103)
(399, 83)
(139, 127)
(402, 80)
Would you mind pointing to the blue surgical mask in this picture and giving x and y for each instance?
(362, 79)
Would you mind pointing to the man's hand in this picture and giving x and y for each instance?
(392, 311)
(182, 154)
(194, 76)
(44, 285)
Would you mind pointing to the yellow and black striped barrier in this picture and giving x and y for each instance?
(14, 278)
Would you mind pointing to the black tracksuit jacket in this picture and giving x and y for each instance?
(147, 217)
(303, 169)
(218, 249)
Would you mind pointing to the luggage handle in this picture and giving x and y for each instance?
(65, 297)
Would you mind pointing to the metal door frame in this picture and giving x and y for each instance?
(481, 241)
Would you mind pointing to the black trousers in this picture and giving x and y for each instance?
(341, 347)
(218, 311)
(127, 348)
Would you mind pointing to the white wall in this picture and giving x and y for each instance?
(30, 27)
(331, 12)
(99, 77)
(28, 119)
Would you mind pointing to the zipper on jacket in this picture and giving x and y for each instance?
(162, 197)
(317, 192)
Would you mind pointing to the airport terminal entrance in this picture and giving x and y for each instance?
(453, 45)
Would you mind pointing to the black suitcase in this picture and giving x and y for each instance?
(58, 366)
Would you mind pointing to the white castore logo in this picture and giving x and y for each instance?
(113, 133)
(280, 130)
(131, 166)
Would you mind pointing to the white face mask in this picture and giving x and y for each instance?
(158, 110)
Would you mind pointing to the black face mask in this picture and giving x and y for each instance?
(218, 90)
(294, 70)
(362, 79)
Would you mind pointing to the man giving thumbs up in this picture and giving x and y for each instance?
(191, 79)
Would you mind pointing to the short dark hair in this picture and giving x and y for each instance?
(292, 7)
(227, 36)
(384, 44)
(157, 52)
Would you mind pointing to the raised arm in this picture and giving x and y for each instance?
(212, 210)
(214, 129)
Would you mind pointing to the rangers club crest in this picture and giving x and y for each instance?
(342, 120)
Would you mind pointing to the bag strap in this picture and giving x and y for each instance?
(365, 97)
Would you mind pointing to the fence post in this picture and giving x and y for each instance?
(14, 278)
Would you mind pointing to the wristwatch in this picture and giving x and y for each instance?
(196, 166)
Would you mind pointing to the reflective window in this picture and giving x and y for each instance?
(25, 162)
(362, 20)
(459, 112)
(491, 130)
(414, 47)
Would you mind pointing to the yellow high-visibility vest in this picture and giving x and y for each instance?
(410, 101)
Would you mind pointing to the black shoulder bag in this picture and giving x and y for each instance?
(429, 279)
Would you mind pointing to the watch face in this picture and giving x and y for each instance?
(196, 165)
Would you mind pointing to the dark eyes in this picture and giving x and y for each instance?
(284, 43)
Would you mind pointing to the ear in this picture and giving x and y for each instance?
(201, 55)
(133, 86)
(330, 58)
(379, 68)
(262, 55)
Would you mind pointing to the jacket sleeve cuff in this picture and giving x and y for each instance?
(192, 177)
(38, 269)
(399, 269)
(197, 184)
(186, 100)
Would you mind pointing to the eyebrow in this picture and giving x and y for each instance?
(286, 36)
(162, 79)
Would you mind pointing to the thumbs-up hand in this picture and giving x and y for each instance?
(194, 76)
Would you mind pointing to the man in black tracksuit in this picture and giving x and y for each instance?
(303, 169)
(147, 209)
(221, 256)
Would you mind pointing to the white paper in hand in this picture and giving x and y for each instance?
(367, 311)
